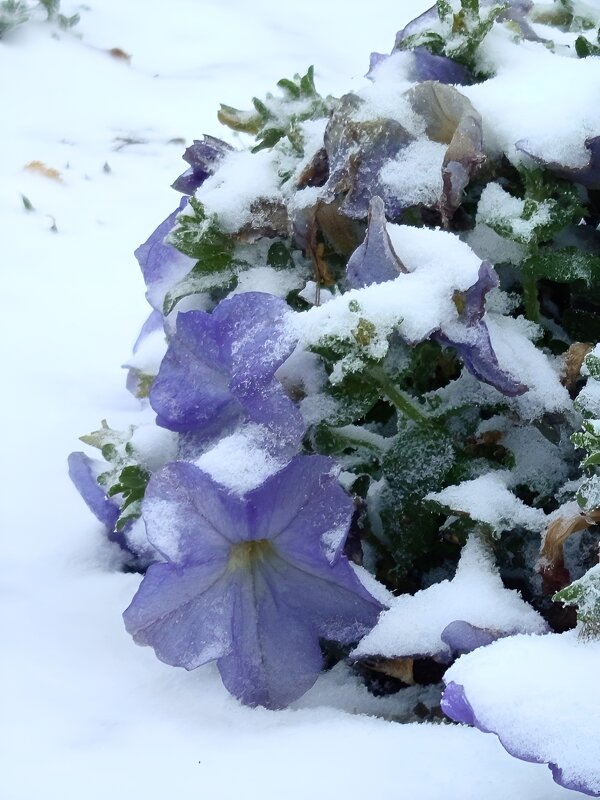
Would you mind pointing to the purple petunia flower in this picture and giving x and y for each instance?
(375, 261)
(204, 157)
(219, 369)
(162, 264)
(252, 582)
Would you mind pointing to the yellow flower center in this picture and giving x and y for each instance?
(247, 554)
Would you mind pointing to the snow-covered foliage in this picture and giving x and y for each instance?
(371, 346)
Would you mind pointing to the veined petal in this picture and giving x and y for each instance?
(300, 506)
(191, 390)
(189, 518)
(184, 614)
(276, 657)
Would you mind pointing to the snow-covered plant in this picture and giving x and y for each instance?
(16, 12)
(364, 359)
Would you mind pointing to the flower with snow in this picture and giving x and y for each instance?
(204, 157)
(375, 261)
(250, 581)
(161, 263)
(219, 370)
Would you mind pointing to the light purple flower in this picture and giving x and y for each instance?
(455, 704)
(462, 637)
(219, 369)
(162, 264)
(81, 472)
(204, 157)
(375, 261)
(248, 581)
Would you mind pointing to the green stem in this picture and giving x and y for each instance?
(530, 296)
(398, 398)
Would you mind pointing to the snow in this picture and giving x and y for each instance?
(511, 340)
(555, 678)
(417, 302)
(416, 174)
(414, 624)
(89, 714)
(242, 179)
(554, 120)
(487, 499)
(499, 208)
(238, 461)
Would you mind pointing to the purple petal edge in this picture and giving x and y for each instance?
(455, 705)
(462, 637)
(105, 510)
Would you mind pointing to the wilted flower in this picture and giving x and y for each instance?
(203, 156)
(375, 261)
(252, 582)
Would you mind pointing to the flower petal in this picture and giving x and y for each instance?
(189, 518)
(301, 505)
(191, 390)
(375, 260)
(184, 614)
(276, 657)
(204, 156)
(102, 507)
(162, 264)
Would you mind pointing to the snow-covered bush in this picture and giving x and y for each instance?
(370, 357)
(16, 12)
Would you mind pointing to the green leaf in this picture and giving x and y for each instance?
(289, 87)
(444, 9)
(307, 83)
(240, 121)
(592, 363)
(472, 6)
(420, 460)
(279, 256)
(199, 236)
(276, 118)
(268, 138)
(134, 477)
(585, 594)
(197, 282)
(564, 265)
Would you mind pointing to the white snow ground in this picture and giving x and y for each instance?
(86, 713)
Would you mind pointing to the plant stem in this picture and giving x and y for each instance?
(398, 398)
(530, 296)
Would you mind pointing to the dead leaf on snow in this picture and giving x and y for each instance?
(44, 170)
